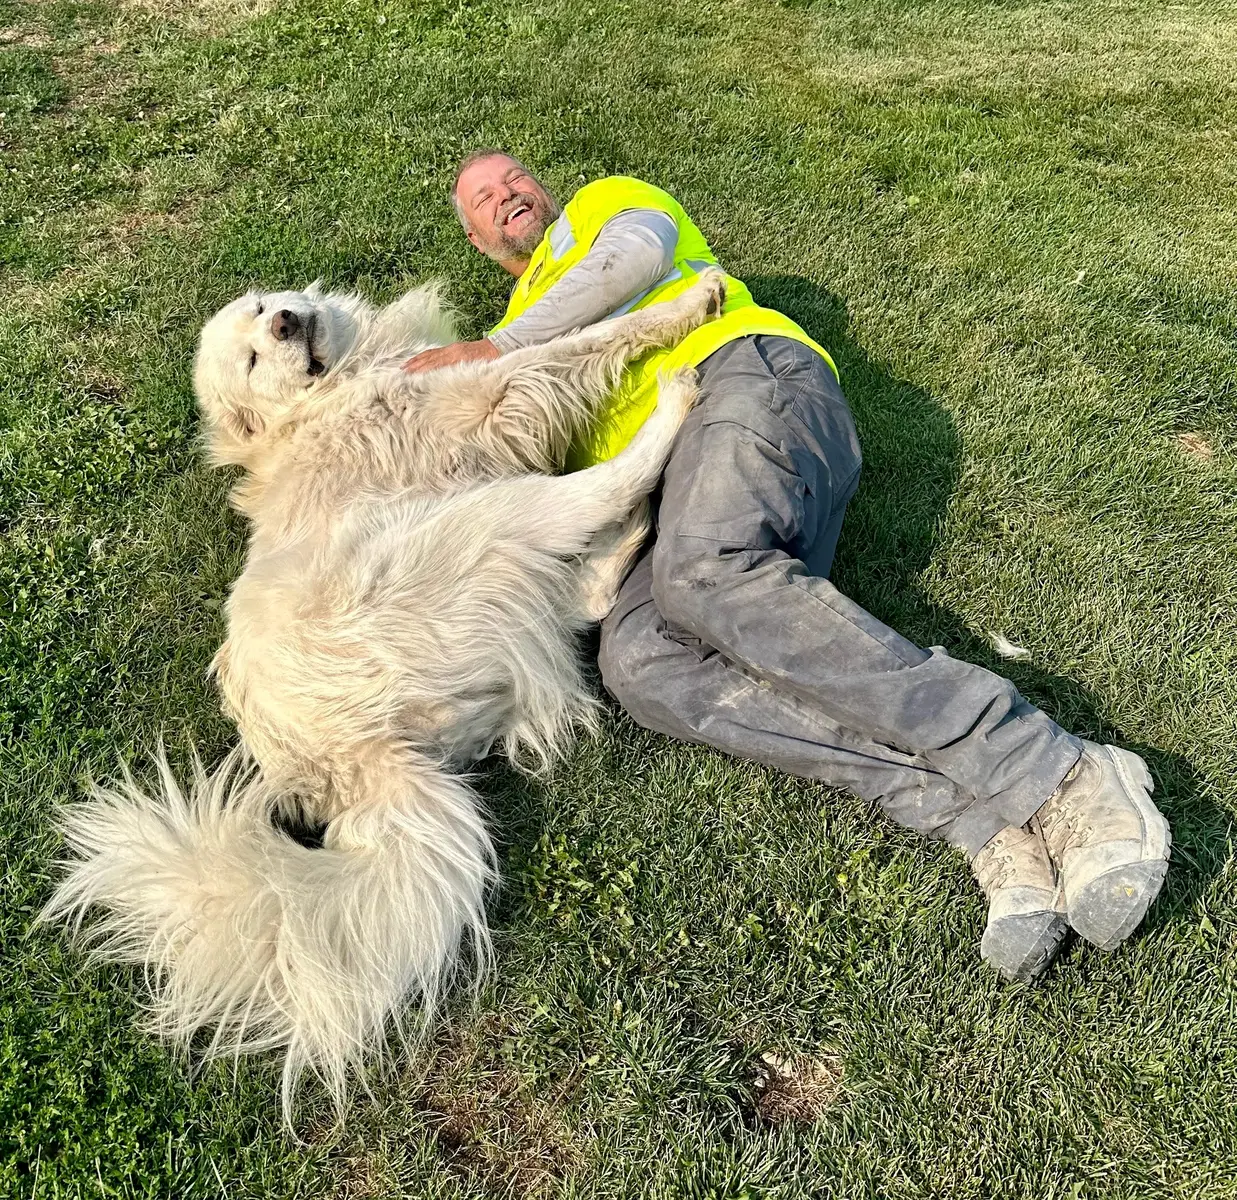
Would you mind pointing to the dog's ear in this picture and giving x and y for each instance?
(243, 422)
(235, 424)
(314, 290)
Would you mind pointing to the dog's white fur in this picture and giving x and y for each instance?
(414, 584)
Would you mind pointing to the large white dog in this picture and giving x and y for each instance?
(414, 584)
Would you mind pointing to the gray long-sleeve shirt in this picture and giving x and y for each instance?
(631, 254)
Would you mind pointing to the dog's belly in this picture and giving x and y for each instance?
(431, 628)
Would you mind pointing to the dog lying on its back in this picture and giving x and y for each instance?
(414, 583)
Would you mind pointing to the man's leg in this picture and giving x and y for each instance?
(672, 682)
(754, 498)
(758, 483)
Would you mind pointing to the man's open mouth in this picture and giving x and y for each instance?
(517, 212)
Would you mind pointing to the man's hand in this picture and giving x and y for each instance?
(452, 355)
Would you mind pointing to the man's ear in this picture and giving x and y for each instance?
(472, 237)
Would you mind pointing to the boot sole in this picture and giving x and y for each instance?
(1023, 948)
(1110, 907)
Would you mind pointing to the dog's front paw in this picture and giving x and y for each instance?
(712, 286)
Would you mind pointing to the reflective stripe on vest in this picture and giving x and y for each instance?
(571, 237)
(562, 236)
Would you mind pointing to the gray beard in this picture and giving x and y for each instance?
(508, 247)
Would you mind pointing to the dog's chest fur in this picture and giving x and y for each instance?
(370, 599)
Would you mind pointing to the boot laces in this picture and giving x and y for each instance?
(1062, 820)
(997, 866)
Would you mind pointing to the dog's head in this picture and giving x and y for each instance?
(262, 356)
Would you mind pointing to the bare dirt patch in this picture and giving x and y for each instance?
(23, 37)
(364, 1181)
(796, 1089)
(487, 1120)
(1196, 446)
(130, 229)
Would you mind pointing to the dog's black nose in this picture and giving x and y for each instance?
(285, 324)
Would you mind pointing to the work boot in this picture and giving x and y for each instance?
(1109, 842)
(1025, 928)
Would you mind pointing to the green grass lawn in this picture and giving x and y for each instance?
(1014, 225)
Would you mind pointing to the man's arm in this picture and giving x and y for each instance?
(631, 254)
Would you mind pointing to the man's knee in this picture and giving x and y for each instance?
(680, 592)
(623, 656)
(649, 670)
(688, 589)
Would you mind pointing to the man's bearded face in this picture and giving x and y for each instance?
(505, 209)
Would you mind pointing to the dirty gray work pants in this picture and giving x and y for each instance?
(729, 633)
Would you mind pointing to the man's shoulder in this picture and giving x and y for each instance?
(613, 193)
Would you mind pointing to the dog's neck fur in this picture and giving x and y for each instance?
(300, 467)
(418, 320)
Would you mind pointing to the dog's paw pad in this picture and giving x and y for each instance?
(714, 282)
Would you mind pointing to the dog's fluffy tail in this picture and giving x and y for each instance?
(271, 943)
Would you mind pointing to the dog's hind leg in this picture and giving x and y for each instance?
(528, 404)
(609, 558)
(621, 482)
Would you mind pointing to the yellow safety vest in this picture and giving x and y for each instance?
(571, 237)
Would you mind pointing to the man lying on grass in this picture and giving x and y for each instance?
(728, 632)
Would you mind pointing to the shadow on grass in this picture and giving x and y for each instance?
(912, 457)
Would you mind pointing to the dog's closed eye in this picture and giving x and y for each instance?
(253, 360)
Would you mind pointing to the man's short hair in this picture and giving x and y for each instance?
(474, 156)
